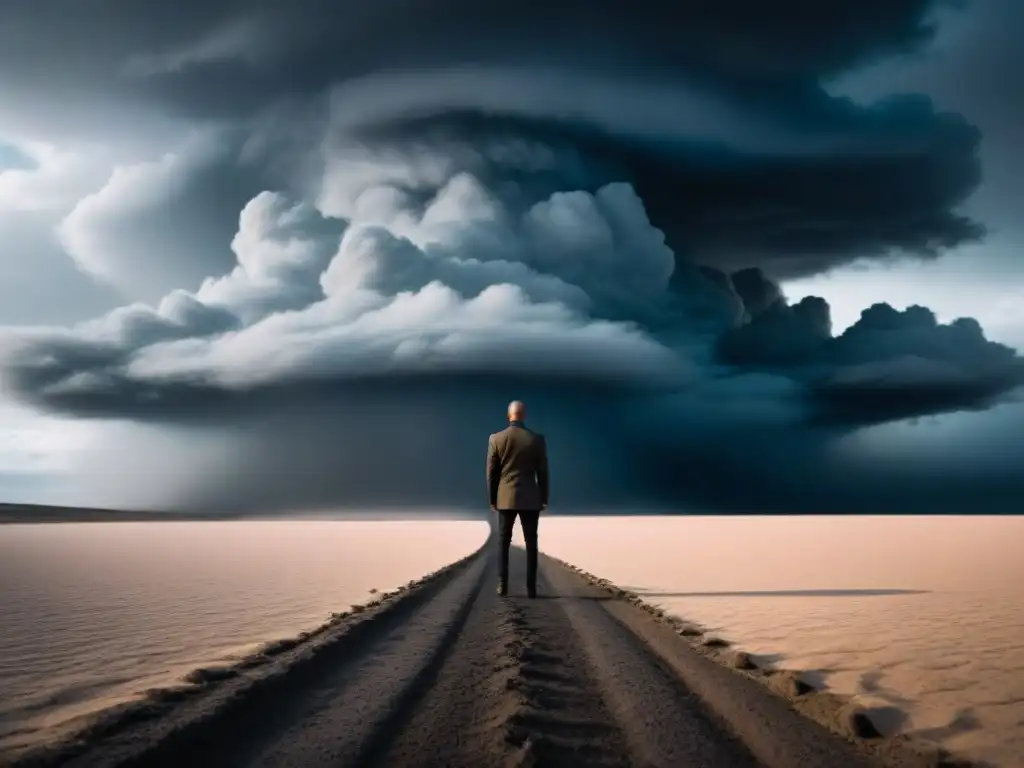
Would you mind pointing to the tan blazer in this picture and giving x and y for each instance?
(517, 469)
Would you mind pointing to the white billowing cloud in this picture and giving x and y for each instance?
(583, 237)
(357, 181)
(457, 281)
(38, 282)
(574, 247)
(281, 249)
(448, 287)
(461, 205)
(178, 315)
(359, 184)
(158, 224)
(269, 239)
(56, 182)
(90, 231)
(434, 329)
(372, 258)
(458, 284)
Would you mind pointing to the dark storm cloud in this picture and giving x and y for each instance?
(311, 303)
(972, 70)
(584, 205)
(167, 223)
(890, 364)
(714, 112)
(377, 443)
(815, 185)
(310, 43)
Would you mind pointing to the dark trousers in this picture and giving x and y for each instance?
(529, 520)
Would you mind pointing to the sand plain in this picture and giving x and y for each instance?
(919, 618)
(95, 614)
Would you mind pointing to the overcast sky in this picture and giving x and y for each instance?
(741, 256)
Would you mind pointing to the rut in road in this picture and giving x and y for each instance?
(456, 677)
(516, 691)
(555, 681)
(554, 684)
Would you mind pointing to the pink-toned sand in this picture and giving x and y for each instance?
(96, 613)
(447, 673)
(921, 615)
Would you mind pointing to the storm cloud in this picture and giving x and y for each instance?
(718, 115)
(390, 220)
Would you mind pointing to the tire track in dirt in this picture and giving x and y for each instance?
(664, 722)
(334, 717)
(515, 694)
(454, 676)
(559, 717)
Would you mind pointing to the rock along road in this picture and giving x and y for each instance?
(451, 674)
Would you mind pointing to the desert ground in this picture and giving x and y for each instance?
(444, 672)
(916, 619)
(96, 614)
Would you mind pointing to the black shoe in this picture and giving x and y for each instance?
(531, 592)
(502, 590)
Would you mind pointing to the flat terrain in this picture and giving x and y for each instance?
(917, 620)
(95, 615)
(450, 674)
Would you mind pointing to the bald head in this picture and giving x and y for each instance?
(516, 411)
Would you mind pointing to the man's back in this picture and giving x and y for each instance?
(517, 469)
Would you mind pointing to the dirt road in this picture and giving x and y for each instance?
(453, 675)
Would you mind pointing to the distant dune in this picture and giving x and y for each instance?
(45, 513)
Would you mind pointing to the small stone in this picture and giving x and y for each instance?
(859, 724)
(741, 660)
(715, 642)
(791, 684)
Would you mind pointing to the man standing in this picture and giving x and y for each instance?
(517, 485)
